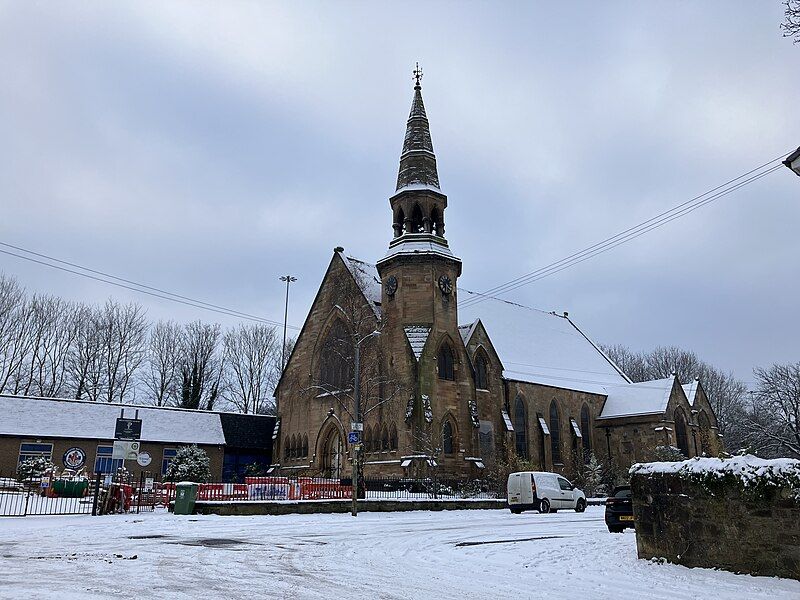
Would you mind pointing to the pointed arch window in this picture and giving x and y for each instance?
(385, 439)
(680, 433)
(587, 432)
(393, 438)
(305, 446)
(555, 433)
(436, 221)
(336, 367)
(445, 363)
(481, 372)
(447, 437)
(521, 427)
(400, 222)
(416, 219)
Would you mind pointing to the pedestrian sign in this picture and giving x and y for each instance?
(353, 437)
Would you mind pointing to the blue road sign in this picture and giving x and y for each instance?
(353, 437)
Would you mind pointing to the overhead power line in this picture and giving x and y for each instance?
(131, 285)
(632, 232)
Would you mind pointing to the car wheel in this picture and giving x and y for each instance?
(615, 529)
(580, 505)
(515, 511)
(544, 506)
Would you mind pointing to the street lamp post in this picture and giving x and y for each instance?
(793, 161)
(358, 420)
(288, 279)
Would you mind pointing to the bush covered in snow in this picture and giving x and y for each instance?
(667, 454)
(34, 468)
(190, 464)
(752, 475)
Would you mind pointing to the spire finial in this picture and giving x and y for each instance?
(417, 77)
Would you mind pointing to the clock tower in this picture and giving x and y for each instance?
(419, 300)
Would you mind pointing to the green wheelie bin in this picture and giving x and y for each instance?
(185, 497)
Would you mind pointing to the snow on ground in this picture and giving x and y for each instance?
(458, 554)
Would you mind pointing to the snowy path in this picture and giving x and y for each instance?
(465, 554)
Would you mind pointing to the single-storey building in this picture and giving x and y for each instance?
(79, 434)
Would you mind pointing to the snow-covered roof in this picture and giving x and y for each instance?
(417, 335)
(466, 331)
(418, 187)
(366, 276)
(418, 243)
(41, 417)
(645, 398)
(540, 347)
(690, 389)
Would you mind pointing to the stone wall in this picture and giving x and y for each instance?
(339, 506)
(721, 526)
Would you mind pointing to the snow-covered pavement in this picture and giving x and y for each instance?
(463, 554)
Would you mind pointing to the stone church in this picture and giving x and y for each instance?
(455, 387)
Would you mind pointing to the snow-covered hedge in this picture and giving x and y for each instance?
(748, 472)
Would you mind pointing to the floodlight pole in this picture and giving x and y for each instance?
(357, 417)
(288, 279)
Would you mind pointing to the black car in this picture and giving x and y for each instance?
(619, 509)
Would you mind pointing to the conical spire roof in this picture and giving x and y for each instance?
(417, 162)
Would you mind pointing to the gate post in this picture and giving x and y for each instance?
(96, 493)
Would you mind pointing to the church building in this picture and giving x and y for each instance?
(397, 362)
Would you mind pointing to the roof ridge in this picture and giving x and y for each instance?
(128, 405)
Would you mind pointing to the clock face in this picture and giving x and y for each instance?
(445, 284)
(391, 285)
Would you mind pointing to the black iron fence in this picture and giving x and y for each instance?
(81, 494)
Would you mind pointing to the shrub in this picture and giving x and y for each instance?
(190, 464)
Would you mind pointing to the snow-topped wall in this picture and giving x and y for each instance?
(740, 514)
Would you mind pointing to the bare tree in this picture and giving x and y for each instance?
(791, 23)
(252, 357)
(725, 393)
(776, 409)
(85, 372)
(15, 323)
(54, 328)
(202, 366)
(633, 364)
(162, 376)
(121, 332)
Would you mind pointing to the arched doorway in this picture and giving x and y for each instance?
(333, 454)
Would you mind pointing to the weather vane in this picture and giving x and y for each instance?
(417, 75)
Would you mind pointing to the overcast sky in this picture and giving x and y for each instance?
(208, 148)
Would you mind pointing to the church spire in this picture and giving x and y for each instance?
(417, 162)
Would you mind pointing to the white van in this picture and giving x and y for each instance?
(545, 492)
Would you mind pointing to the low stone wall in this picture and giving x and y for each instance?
(339, 506)
(744, 528)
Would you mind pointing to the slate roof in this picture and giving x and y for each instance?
(540, 347)
(417, 335)
(247, 431)
(647, 397)
(61, 418)
(417, 161)
(690, 389)
(366, 276)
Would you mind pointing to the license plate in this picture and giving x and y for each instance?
(626, 518)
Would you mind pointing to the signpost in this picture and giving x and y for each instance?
(125, 450)
(128, 429)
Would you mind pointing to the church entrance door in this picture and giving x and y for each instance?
(333, 455)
